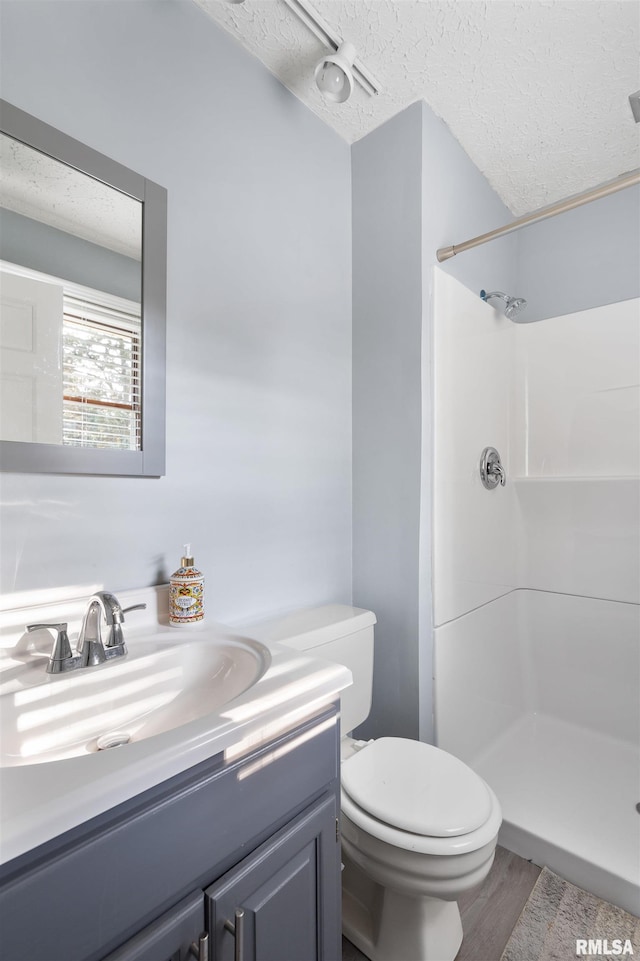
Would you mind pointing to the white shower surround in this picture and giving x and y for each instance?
(537, 585)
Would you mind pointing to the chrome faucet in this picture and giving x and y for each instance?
(90, 644)
(90, 649)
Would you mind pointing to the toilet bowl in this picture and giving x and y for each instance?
(418, 826)
(418, 829)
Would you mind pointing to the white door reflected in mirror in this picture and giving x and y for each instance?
(30, 360)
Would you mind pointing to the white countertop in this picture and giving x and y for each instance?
(40, 801)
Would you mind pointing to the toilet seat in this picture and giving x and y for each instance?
(415, 796)
(416, 787)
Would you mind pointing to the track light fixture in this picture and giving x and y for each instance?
(340, 68)
(334, 75)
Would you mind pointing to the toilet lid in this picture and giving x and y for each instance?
(416, 787)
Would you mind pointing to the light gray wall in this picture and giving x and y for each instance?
(585, 258)
(414, 190)
(33, 244)
(387, 319)
(259, 314)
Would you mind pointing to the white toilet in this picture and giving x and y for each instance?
(419, 827)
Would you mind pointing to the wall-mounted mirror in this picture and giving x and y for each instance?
(82, 307)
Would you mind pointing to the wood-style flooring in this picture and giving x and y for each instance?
(489, 913)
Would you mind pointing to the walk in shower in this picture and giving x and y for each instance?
(536, 584)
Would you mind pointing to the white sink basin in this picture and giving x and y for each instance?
(163, 683)
(182, 697)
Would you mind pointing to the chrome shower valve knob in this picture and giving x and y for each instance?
(492, 472)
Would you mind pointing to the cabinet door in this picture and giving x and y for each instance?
(169, 937)
(289, 891)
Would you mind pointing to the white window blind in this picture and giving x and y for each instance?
(101, 361)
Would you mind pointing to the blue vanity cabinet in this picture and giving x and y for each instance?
(142, 882)
(274, 905)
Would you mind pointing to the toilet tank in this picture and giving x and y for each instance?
(335, 632)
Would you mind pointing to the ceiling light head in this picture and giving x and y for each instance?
(333, 74)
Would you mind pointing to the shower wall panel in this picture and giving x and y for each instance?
(577, 452)
(533, 653)
(581, 536)
(481, 673)
(474, 540)
(560, 400)
(578, 394)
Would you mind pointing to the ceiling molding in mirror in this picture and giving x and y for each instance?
(99, 213)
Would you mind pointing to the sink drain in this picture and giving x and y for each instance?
(114, 739)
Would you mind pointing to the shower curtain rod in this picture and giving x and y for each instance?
(611, 187)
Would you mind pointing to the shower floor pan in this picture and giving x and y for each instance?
(569, 797)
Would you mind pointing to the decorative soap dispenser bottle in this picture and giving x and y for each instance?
(186, 593)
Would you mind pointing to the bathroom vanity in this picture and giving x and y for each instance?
(214, 839)
(146, 880)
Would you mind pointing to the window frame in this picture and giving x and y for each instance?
(95, 317)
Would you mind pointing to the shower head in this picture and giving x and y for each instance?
(512, 305)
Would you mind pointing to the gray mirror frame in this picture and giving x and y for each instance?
(150, 461)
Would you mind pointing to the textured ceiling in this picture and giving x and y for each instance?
(536, 91)
(47, 190)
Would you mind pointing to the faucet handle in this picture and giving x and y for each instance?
(116, 637)
(134, 607)
(46, 627)
(61, 646)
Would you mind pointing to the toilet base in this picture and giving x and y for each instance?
(387, 926)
